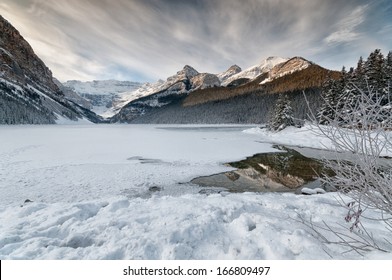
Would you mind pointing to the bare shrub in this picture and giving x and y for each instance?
(360, 130)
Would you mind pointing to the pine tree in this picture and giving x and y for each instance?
(342, 99)
(358, 76)
(283, 114)
(374, 73)
(388, 69)
(330, 99)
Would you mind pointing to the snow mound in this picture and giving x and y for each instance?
(218, 226)
(312, 191)
(305, 136)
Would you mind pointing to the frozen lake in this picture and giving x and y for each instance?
(74, 163)
(122, 192)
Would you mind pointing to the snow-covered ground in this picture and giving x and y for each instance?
(121, 192)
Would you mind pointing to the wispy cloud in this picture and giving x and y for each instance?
(346, 28)
(151, 39)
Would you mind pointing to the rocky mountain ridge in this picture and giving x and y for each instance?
(272, 75)
(254, 71)
(287, 67)
(27, 91)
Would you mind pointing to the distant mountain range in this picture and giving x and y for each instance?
(234, 96)
(30, 94)
(105, 98)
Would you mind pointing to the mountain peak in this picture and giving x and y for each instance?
(256, 70)
(233, 70)
(270, 62)
(290, 66)
(188, 71)
(294, 64)
(273, 58)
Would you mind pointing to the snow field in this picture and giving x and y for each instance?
(218, 226)
(91, 188)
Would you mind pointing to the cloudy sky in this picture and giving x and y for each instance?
(146, 40)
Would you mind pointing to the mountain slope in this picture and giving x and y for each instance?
(292, 75)
(254, 71)
(224, 76)
(28, 94)
(166, 92)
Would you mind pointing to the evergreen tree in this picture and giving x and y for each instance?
(358, 76)
(374, 73)
(283, 114)
(371, 79)
(388, 69)
(329, 96)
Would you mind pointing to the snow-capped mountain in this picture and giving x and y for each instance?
(256, 70)
(233, 70)
(27, 91)
(105, 97)
(73, 96)
(163, 93)
(288, 67)
(231, 96)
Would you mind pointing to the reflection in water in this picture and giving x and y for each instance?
(285, 171)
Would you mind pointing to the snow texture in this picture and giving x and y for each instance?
(114, 192)
(256, 70)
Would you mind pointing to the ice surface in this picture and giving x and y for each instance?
(78, 162)
(113, 192)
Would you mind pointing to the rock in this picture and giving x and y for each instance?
(18, 62)
(155, 189)
(204, 80)
(292, 65)
(233, 176)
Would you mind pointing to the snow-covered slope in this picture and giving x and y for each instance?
(163, 93)
(173, 84)
(109, 97)
(290, 66)
(233, 70)
(256, 70)
(106, 97)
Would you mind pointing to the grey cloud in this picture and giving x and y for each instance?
(147, 40)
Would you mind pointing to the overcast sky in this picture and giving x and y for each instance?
(146, 40)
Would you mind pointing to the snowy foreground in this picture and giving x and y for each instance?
(122, 192)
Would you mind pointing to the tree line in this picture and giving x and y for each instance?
(372, 77)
